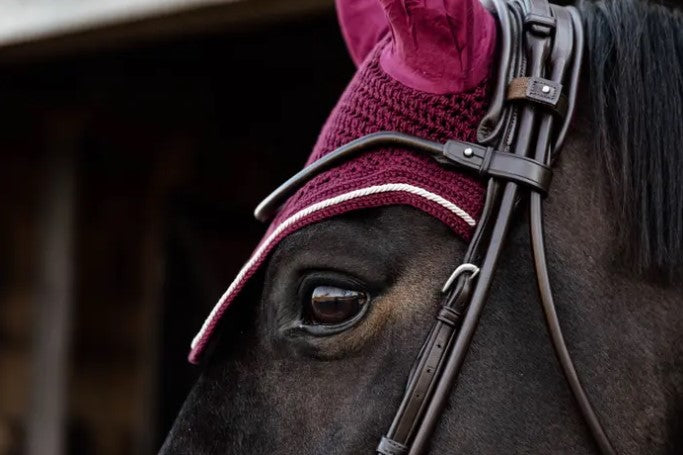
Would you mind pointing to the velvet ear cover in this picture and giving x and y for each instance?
(363, 23)
(436, 46)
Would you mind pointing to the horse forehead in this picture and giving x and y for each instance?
(380, 234)
(397, 222)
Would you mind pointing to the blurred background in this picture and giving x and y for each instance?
(136, 137)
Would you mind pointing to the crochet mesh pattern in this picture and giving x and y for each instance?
(375, 102)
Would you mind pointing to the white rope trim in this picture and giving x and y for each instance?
(386, 188)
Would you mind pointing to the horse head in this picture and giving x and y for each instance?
(310, 348)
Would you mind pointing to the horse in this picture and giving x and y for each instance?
(366, 281)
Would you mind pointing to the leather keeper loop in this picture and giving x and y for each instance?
(542, 92)
(390, 447)
(492, 163)
(448, 316)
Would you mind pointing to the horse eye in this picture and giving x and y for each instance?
(331, 305)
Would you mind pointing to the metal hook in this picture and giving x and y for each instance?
(473, 269)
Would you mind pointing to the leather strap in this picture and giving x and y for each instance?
(506, 166)
(538, 90)
(521, 123)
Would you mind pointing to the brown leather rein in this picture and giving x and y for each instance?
(524, 129)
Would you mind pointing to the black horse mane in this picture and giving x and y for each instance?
(635, 68)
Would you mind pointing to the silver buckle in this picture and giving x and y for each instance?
(467, 267)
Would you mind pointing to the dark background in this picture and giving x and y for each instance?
(128, 177)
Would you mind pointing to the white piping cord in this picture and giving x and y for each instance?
(386, 188)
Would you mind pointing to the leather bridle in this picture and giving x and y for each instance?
(534, 97)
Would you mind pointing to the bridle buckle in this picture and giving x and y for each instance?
(463, 268)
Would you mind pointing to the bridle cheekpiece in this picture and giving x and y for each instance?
(534, 98)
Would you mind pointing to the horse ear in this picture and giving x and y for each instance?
(437, 46)
(363, 24)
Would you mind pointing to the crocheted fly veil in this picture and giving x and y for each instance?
(423, 70)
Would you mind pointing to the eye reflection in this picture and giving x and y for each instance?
(332, 305)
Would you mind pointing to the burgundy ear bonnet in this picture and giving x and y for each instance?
(423, 70)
